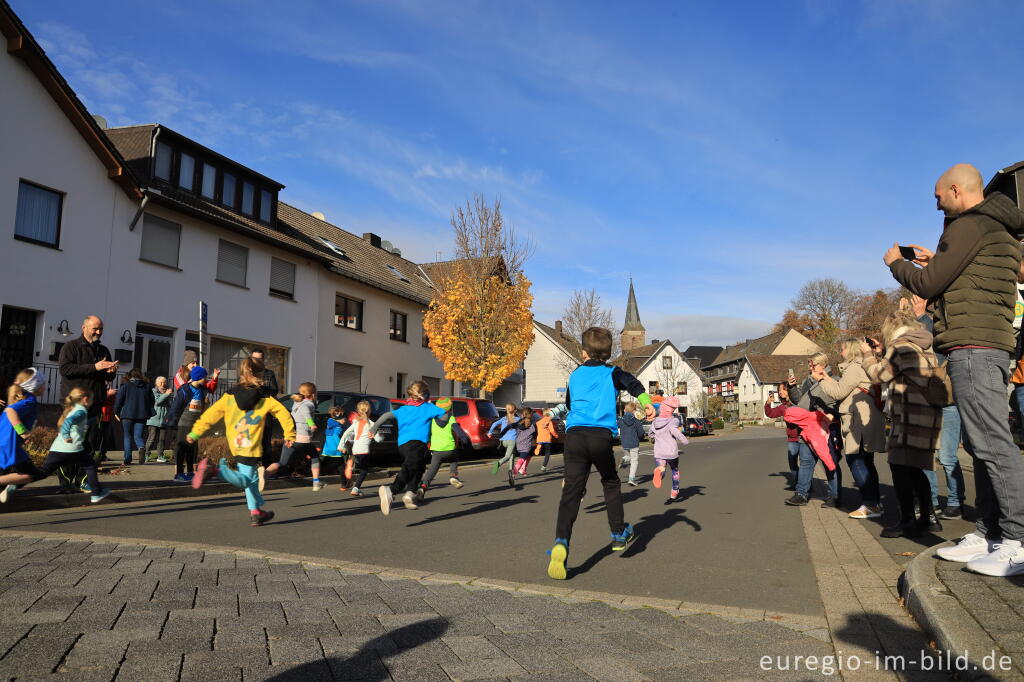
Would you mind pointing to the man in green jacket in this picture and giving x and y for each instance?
(971, 279)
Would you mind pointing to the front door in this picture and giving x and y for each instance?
(17, 342)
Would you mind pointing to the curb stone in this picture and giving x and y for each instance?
(794, 621)
(941, 615)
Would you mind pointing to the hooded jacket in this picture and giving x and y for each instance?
(973, 276)
(631, 431)
(863, 424)
(244, 411)
(667, 437)
(906, 366)
(134, 401)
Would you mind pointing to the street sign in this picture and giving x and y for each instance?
(204, 339)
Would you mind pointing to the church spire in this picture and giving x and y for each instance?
(633, 333)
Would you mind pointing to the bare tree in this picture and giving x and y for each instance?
(828, 306)
(672, 379)
(583, 311)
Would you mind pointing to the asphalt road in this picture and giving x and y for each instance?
(728, 540)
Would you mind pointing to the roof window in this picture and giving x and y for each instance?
(398, 273)
(332, 246)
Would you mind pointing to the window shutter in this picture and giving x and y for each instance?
(232, 261)
(160, 241)
(38, 214)
(347, 377)
(282, 277)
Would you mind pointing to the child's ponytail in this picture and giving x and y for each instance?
(74, 397)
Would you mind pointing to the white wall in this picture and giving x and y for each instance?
(546, 370)
(693, 401)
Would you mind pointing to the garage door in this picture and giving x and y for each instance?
(348, 377)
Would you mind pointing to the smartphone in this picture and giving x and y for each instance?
(867, 340)
(908, 252)
(792, 374)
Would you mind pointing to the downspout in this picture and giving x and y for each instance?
(146, 191)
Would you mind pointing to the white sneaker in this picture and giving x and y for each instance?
(543, 470)
(318, 486)
(386, 498)
(100, 496)
(6, 492)
(409, 501)
(970, 546)
(456, 482)
(1006, 560)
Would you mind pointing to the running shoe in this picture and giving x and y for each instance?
(356, 492)
(511, 479)
(386, 498)
(674, 495)
(180, 478)
(102, 493)
(6, 492)
(161, 460)
(317, 486)
(622, 540)
(421, 492)
(658, 472)
(543, 470)
(454, 480)
(205, 469)
(968, 547)
(797, 500)
(85, 488)
(349, 465)
(559, 555)
(632, 482)
(1006, 559)
(409, 500)
(258, 517)
(866, 512)
(497, 465)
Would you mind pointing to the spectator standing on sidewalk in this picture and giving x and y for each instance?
(156, 433)
(86, 363)
(949, 437)
(809, 396)
(862, 424)
(972, 276)
(134, 405)
(793, 443)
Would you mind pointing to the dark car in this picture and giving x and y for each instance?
(708, 427)
(382, 452)
(693, 427)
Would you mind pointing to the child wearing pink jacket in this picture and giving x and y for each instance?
(667, 438)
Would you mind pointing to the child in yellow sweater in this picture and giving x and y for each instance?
(244, 411)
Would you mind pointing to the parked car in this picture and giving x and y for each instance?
(694, 427)
(708, 427)
(384, 452)
(475, 416)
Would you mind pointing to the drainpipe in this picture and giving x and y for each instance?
(146, 192)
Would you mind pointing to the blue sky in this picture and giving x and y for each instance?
(720, 153)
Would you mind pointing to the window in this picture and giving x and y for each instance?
(232, 262)
(209, 180)
(397, 273)
(38, 215)
(248, 191)
(666, 362)
(265, 201)
(160, 241)
(227, 193)
(348, 377)
(162, 168)
(652, 386)
(348, 312)
(282, 278)
(398, 324)
(426, 339)
(187, 172)
(332, 246)
(434, 384)
(681, 388)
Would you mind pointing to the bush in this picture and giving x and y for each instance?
(717, 424)
(38, 442)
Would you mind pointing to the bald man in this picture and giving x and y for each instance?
(972, 279)
(86, 363)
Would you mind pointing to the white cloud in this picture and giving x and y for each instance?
(703, 330)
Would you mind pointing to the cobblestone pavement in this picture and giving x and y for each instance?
(81, 610)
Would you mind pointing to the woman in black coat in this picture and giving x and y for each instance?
(134, 405)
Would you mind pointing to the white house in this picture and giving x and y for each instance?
(550, 360)
(760, 375)
(661, 366)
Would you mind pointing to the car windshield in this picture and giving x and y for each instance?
(486, 409)
(348, 401)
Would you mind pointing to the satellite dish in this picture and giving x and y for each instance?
(397, 251)
(319, 216)
(100, 121)
(386, 245)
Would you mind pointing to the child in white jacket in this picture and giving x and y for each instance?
(358, 433)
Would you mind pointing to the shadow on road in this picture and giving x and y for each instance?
(649, 526)
(366, 663)
(478, 509)
(894, 647)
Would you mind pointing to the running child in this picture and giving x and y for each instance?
(184, 413)
(358, 433)
(303, 411)
(631, 432)
(244, 411)
(503, 431)
(414, 419)
(18, 419)
(667, 438)
(333, 451)
(526, 441)
(445, 442)
(591, 396)
(68, 448)
(545, 435)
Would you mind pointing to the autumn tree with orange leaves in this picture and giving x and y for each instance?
(480, 322)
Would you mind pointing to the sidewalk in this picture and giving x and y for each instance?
(106, 609)
(968, 614)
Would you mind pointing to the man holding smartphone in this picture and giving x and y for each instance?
(972, 277)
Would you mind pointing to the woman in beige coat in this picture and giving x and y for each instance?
(863, 425)
(906, 363)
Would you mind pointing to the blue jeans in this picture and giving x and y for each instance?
(793, 456)
(134, 437)
(1018, 393)
(980, 377)
(865, 476)
(246, 478)
(948, 446)
(806, 473)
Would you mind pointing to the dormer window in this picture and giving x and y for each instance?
(266, 199)
(248, 192)
(186, 172)
(209, 180)
(227, 195)
(162, 168)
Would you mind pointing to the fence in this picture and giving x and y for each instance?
(54, 396)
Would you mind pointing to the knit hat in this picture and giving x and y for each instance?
(189, 358)
(198, 374)
(668, 406)
(444, 403)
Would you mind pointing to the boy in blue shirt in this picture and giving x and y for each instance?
(592, 396)
(414, 419)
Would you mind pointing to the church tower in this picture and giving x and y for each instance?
(633, 333)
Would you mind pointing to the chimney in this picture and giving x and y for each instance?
(656, 341)
(558, 327)
(372, 238)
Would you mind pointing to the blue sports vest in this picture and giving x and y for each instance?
(592, 396)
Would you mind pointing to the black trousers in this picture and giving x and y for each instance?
(361, 467)
(414, 463)
(909, 483)
(70, 462)
(184, 452)
(586, 447)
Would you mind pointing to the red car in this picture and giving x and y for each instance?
(475, 416)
